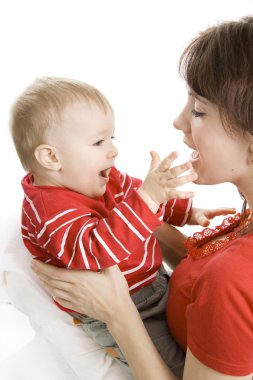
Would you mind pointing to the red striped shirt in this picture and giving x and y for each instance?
(69, 229)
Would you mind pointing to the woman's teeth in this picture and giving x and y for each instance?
(194, 155)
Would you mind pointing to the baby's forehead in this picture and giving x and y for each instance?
(84, 104)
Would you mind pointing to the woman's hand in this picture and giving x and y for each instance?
(98, 294)
(105, 296)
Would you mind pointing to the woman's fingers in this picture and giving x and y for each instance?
(97, 294)
(49, 272)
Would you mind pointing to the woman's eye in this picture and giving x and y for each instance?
(196, 113)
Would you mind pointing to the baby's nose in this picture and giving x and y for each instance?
(114, 151)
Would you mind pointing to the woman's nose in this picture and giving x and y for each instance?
(182, 123)
(176, 123)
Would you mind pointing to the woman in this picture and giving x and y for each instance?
(210, 305)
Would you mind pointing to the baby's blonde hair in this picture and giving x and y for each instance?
(40, 107)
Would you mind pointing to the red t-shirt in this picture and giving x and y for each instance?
(210, 307)
(69, 229)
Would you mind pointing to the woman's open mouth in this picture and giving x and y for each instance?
(194, 156)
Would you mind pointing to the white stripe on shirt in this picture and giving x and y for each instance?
(32, 207)
(80, 242)
(131, 227)
(129, 187)
(137, 217)
(143, 260)
(114, 237)
(53, 220)
(143, 281)
(91, 251)
(186, 212)
(171, 210)
(153, 256)
(102, 242)
(118, 195)
(28, 217)
(62, 225)
(60, 253)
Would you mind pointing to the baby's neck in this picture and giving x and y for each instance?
(41, 180)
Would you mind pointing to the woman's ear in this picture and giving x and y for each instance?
(47, 157)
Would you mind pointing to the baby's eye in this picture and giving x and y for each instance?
(113, 137)
(98, 143)
(196, 113)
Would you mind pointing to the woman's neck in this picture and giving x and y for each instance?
(247, 193)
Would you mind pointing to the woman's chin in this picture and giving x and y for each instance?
(204, 180)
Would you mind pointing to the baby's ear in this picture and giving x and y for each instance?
(47, 156)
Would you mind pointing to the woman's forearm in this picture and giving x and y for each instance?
(105, 296)
(140, 352)
(172, 243)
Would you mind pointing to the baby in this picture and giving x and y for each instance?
(80, 212)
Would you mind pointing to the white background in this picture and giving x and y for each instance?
(129, 49)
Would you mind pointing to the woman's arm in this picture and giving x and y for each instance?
(105, 296)
(196, 370)
(171, 241)
(90, 293)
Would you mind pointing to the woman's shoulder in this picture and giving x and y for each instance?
(232, 264)
(238, 252)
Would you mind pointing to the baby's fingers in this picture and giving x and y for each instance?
(177, 194)
(201, 219)
(166, 163)
(182, 180)
(180, 169)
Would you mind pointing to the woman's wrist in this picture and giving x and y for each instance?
(128, 330)
(119, 320)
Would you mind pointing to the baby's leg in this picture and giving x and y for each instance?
(151, 302)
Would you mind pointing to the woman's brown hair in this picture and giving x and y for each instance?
(218, 65)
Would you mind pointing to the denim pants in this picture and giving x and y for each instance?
(151, 304)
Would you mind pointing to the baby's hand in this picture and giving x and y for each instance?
(202, 216)
(162, 181)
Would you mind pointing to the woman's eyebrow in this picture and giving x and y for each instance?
(200, 98)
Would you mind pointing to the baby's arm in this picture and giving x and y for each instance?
(202, 216)
(162, 181)
(80, 239)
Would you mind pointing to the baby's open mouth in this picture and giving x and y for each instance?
(105, 173)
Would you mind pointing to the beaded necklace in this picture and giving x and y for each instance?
(201, 244)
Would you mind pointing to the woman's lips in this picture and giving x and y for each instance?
(194, 154)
